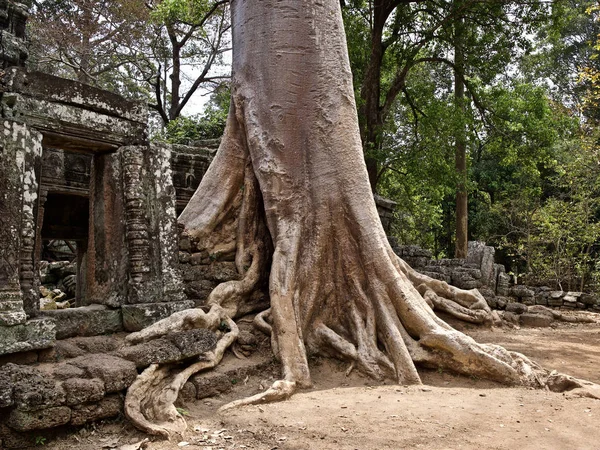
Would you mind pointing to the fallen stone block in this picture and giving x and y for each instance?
(517, 308)
(535, 320)
(193, 342)
(158, 351)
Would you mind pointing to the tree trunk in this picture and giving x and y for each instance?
(462, 210)
(175, 73)
(290, 171)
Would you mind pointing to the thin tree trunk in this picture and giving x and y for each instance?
(462, 211)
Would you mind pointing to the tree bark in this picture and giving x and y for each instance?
(462, 209)
(289, 183)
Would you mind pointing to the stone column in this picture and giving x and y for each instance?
(30, 280)
(20, 148)
(154, 289)
(168, 230)
(11, 198)
(141, 282)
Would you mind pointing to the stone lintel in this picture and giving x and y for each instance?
(72, 126)
(69, 92)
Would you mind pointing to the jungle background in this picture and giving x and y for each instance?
(496, 100)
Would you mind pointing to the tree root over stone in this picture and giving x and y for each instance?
(149, 403)
(288, 190)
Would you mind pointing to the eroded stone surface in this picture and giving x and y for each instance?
(35, 420)
(30, 388)
(32, 335)
(138, 317)
(158, 351)
(193, 342)
(86, 321)
(80, 390)
(116, 373)
(105, 408)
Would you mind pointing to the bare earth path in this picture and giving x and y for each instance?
(449, 412)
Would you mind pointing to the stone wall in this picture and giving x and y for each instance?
(83, 380)
(202, 271)
(481, 272)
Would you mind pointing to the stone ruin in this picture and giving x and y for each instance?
(522, 304)
(88, 223)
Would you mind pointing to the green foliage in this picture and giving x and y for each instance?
(208, 125)
(185, 11)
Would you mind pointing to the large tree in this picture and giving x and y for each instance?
(289, 193)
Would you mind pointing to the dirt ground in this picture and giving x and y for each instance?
(447, 412)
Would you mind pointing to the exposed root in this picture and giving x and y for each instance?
(478, 316)
(260, 322)
(558, 382)
(149, 403)
(280, 390)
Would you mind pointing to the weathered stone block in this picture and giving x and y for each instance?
(556, 294)
(199, 258)
(517, 308)
(521, 291)
(199, 290)
(137, 317)
(158, 351)
(187, 392)
(79, 390)
(67, 349)
(97, 344)
(29, 388)
(587, 299)
(535, 320)
(555, 302)
(105, 408)
(569, 298)
(194, 342)
(37, 420)
(223, 271)
(86, 321)
(117, 373)
(33, 335)
(64, 371)
(195, 273)
(502, 302)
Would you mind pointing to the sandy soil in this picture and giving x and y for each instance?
(448, 412)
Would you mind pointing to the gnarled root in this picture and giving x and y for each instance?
(149, 403)
(280, 390)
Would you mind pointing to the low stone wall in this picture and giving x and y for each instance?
(83, 380)
(479, 271)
